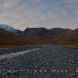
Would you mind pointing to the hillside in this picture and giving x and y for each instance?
(36, 36)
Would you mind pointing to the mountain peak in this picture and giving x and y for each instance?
(7, 28)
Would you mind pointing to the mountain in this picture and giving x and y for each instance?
(44, 31)
(3, 31)
(7, 28)
(35, 31)
(10, 37)
(7, 37)
(56, 31)
(65, 37)
(19, 33)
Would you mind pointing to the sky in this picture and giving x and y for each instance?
(21, 14)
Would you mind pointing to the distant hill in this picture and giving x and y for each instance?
(7, 28)
(66, 37)
(6, 37)
(6, 34)
(32, 36)
(35, 31)
(44, 31)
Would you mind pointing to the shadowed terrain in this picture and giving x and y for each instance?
(34, 36)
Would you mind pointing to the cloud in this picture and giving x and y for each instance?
(39, 13)
(14, 12)
(71, 8)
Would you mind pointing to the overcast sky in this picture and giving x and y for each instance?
(39, 13)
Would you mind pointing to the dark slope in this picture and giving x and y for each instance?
(33, 36)
(44, 31)
(35, 32)
(7, 28)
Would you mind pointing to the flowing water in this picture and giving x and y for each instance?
(43, 61)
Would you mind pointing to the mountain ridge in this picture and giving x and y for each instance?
(7, 28)
(35, 36)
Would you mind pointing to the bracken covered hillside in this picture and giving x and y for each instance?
(32, 36)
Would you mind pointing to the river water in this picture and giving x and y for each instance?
(49, 61)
